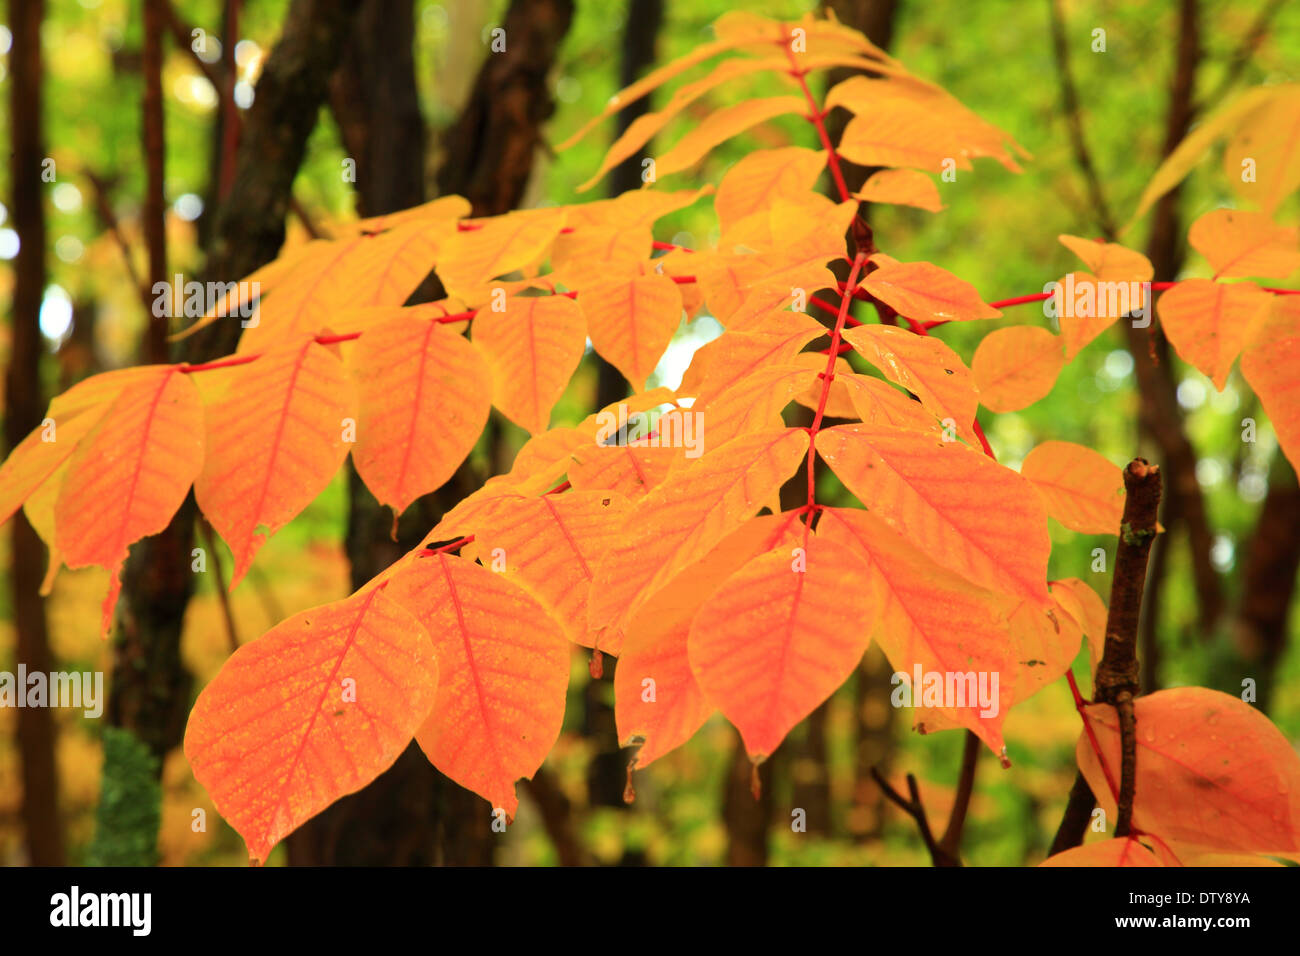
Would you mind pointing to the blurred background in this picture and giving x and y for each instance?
(409, 90)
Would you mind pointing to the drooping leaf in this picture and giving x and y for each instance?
(312, 710)
(1269, 365)
(1080, 487)
(129, 474)
(1270, 139)
(423, 398)
(779, 637)
(1109, 261)
(631, 321)
(720, 126)
(678, 522)
(1211, 770)
(532, 348)
(656, 698)
(504, 666)
(964, 510)
(1016, 366)
(933, 620)
(273, 442)
(1209, 322)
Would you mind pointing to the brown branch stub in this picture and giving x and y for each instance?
(914, 808)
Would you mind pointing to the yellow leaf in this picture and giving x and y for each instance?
(924, 366)
(780, 636)
(922, 291)
(679, 522)
(1240, 243)
(500, 245)
(1081, 488)
(532, 347)
(1270, 138)
(1269, 365)
(631, 321)
(878, 403)
(1209, 323)
(960, 507)
(762, 176)
(1110, 261)
(721, 126)
(901, 187)
(1016, 366)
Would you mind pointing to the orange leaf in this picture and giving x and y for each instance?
(1016, 366)
(630, 470)
(71, 417)
(1269, 366)
(423, 395)
(733, 357)
(901, 187)
(274, 441)
(964, 510)
(657, 701)
(1208, 322)
(931, 620)
(130, 474)
(631, 321)
(1081, 488)
(924, 366)
(1270, 136)
(1085, 307)
(500, 245)
(779, 637)
(879, 403)
(679, 522)
(548, 545)
(1121, 851)
(721, 126)
(764, 175)
(1110, 261)
(504, 667)
(1240, 243)
(532, 348)
(923, 291)
(1211, 770)
(1085, 606)
(314, 709)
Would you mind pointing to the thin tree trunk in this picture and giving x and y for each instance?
(23, 411)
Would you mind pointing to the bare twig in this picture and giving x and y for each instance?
(951, 840)
(916, 810)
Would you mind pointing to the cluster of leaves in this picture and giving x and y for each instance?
(686, 568)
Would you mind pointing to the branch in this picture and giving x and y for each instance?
(1116, 680)
(916, 810)
(951, 840)
(1070, 95)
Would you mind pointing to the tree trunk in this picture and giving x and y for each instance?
(24, 411)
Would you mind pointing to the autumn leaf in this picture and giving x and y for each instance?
(1117, 852)
(473, 257)
(1270, 138)
(1016, 366)
(423, 399)
(631, 321)
(902, 187)
(1109, 261)
(964, 510)
(678, 523)
(129, 475)
(532, 346)
(765, 175)
(924, 366)
(1240, 243)
(312, 710)
(929, 618)
(1080, 488)
(657, 701)
(1211, 770)
(922, 291)
(504, 666)
(273, 442)
(1209, 322)
(721, 126)
(779, 637)
(1269, 365)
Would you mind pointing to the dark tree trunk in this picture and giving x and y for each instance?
(24, 411)
(150, 689)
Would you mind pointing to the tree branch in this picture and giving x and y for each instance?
(916, 810)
